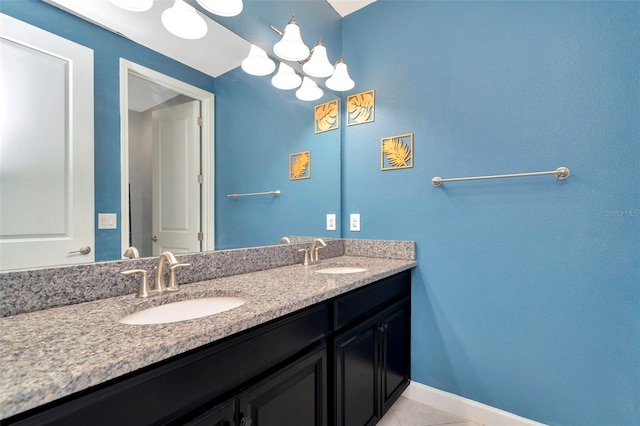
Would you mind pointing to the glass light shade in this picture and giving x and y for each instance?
(286, 78)
(309, 91)
(340, 80)
(183, 21)
(318, 65)
(258, 63)
(222, 7)
(133, 5)
(291, 47)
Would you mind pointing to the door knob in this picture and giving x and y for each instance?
(154, 239)
(82, 250)
(246, 421)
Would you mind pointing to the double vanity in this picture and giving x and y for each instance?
(324, 344)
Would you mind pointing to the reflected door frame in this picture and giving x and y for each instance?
(207, 156)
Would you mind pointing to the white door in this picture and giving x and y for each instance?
(46, 148)
(176, 187)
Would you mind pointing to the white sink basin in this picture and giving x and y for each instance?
(341, 270)
(183, 310)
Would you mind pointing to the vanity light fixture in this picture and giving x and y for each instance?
(340, 80)
(183, 21)
(309, 91)
(133, 5)
(222, 7)
(257, 63)
(315, 63)
(318, 64)
(291, 47)
(286, 78)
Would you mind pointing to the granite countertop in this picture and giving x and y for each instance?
(53, 353)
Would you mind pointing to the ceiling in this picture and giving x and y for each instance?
(145, 28)
(345, 7)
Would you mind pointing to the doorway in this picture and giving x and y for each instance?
(167, 163)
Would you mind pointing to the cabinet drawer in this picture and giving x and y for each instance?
(168, 390)
(365, 301)
(294, 396)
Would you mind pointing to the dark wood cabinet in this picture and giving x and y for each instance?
(356, 376)
(295, 396)
(395, 353)
(222, 414)
(372, 366)
(342, 362)
(371, 355)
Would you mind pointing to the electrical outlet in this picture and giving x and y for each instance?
(331, 222)
(107, 221)
(354, 222)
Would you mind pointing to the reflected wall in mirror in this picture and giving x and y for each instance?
(256, 128)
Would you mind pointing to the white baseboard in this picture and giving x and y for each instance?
(463, 407)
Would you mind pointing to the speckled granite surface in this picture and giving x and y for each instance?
(37, 289)
(55, 352)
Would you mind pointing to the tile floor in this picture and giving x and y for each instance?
(406, 412)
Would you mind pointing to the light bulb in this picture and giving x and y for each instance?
(183, 21)
(309, 91)
(291, 47)
(318, 65)
(286, 78)
(222, 7)
(340, 80)
(258, 63)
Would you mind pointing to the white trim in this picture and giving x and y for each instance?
(207, 103)
(463, 407)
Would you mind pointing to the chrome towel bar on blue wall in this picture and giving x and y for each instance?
(251, 194)
(560, 173)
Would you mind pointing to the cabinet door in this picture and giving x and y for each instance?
(356, 376)
(220, 415)
(294, 396)
(395, 344)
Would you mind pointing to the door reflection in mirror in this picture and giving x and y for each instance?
(164, 144)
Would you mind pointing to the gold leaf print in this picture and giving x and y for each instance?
(300, 165)
(326, 116)
(361, 107)
(397, 153)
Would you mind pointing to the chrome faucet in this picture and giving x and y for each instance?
(160, 285)
(143, 287)
(131, 253)
(313, 251)
(311, 254)
(160, 282)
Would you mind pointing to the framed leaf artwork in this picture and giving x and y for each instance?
(396, 152)
(300, 165)
(327, 116)
(361, 108)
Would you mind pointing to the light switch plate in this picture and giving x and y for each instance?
(331, 222)
(354, 222)
(107, 221)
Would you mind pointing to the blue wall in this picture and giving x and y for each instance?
(107, 49)
(526, 295)
(257, 127)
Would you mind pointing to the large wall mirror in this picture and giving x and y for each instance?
(254, 129)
